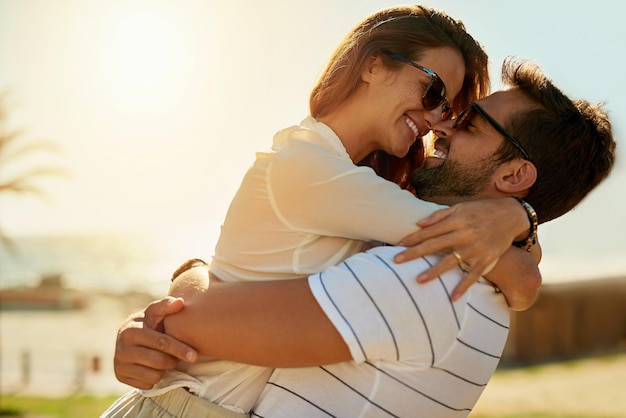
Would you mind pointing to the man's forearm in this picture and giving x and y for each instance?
(273, 324)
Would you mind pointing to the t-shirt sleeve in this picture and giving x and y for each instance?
(321, 192)
(382, 313)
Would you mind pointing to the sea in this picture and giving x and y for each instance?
(117, 262)
(122, 262)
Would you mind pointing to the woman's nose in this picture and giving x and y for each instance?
(443, 128)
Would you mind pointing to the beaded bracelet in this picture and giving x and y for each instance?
(531, 239)
(188, 265)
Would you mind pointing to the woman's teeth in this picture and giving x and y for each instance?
(412, 126)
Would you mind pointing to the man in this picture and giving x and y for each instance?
(363, 338)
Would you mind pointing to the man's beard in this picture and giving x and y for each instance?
(452, 182)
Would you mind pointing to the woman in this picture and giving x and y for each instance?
(370, 103)
(307, 204)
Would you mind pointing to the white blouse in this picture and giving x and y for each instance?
(304, 206)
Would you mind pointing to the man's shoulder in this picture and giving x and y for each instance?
(379, 262)
(387, 253)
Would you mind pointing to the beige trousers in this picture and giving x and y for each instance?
(177, 403)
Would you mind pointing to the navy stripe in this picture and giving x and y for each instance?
(419, 311)
(366, 398)
(417, 390)
(342, 316)
(460, 377)
(486, 317)
(476, 349)
(450, 302)
(393, 337)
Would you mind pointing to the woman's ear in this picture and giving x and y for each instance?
(372, 66)
(516, 176)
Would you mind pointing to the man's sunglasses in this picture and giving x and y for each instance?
(466, 115)
(435, 93)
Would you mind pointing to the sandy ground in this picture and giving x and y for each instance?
(71, 352)
(582, 388)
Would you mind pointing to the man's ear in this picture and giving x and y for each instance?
(516, 176)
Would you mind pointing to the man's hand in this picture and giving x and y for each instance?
(143, 352)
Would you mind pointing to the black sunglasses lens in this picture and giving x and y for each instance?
(435, 94)
(446, 111)
(462, 118)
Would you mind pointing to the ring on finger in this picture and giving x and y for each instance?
(465, 266)
(462, 264)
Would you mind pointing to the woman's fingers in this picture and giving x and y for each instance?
(469, 279)
(442, 227)
(446, 263)
(471, 273)
(473, 234)
(439, 243)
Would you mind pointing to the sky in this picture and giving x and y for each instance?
(158, 107)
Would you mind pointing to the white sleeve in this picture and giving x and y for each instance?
(317, 191)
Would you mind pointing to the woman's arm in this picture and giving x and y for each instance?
(328, 195)
(317, 191)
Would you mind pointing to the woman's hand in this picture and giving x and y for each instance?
(474, 234)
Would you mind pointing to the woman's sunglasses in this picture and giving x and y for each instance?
(466, 114)
(435, 94)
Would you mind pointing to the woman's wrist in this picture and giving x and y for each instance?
(530, 239)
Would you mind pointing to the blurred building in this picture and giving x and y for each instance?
(569, 320)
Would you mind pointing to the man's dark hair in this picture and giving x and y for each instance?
(569, 141)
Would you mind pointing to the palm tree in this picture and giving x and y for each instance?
(21, 180)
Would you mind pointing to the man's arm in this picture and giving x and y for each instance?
(298, 332)
(273, 324)
(367, 308)
(369, 313)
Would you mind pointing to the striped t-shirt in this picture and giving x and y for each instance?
(416, 354)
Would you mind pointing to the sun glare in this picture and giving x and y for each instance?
(143, 48)
(144, 54)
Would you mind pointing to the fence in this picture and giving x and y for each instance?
(570, 320)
